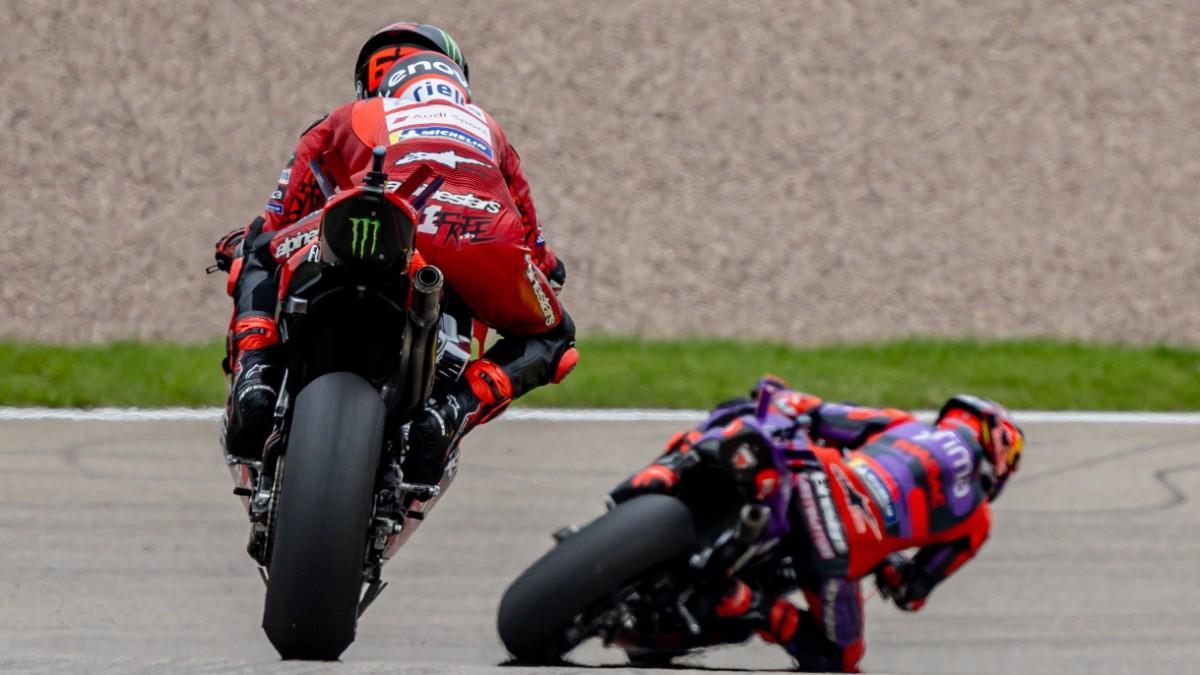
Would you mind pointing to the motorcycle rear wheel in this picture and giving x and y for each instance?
(600, 559)
(317, 558)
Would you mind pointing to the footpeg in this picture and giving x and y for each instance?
(234, 460)
(562, 533)
(260, 503)
(419, 491)
(689, 619)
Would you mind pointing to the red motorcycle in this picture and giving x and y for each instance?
(359, 316)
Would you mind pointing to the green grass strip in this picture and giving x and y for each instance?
(115, 374)
(692, 373)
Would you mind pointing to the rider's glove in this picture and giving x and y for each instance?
(558, 275)
(893, 577)
(658, 478)
(654, 479)
(228, 249)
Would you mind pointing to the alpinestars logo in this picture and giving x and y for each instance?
(860, 506)
(468, 200)
(256, 370)
(542, 299)
(294, 243)
(363, 230)
(448, 158)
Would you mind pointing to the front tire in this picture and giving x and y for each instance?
(606, 555)
(316, 571)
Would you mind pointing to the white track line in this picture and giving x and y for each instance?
(9, 414)
(109, 414)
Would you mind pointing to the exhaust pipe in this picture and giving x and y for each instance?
(427, 294)
(422, 329)
(732, 549)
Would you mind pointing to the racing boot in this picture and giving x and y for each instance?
(805, 640)
(257, 374)
(483, 392)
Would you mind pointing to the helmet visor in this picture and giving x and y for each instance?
(1007, 442)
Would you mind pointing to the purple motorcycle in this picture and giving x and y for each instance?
(645, 575)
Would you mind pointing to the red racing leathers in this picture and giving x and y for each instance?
(895, 483)
(477, 228)
(480, 228)
(885, 483)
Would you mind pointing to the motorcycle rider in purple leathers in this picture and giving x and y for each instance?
(859, 486)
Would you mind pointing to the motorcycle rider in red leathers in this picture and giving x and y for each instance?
(877, 482)
(480, 228)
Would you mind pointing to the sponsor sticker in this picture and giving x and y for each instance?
(439, 114)
(430, 90)
(287, 247)
(364, 231)
(275, 207)
(829, 514)
(948, 449)
(455, 225)
(879, 491)
(542, 299)
(813, 520)
(455, 123)
(424, 66)
(860, 506)
(447, 158)
(442, 132)
(468, 200)
(952, 446)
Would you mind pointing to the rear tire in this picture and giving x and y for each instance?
(603, 557)
(317, 558)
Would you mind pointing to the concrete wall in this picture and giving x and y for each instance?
(806, 171)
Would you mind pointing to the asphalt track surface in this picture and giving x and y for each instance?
(121, 550)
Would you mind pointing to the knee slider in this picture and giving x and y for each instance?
(532, 361)
(566, 357)
(566, 363)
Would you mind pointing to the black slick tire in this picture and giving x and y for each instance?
(316, 571)
(601, 558)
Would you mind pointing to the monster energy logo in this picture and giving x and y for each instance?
(363, 229)
(451, 47)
